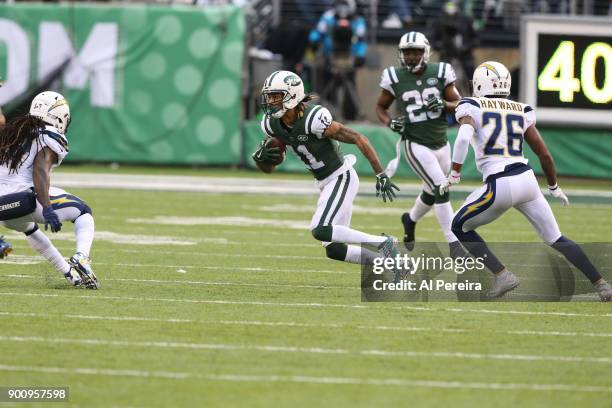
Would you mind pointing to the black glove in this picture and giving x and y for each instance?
(385, 187)
(265, 153)
(359, 62)
(51, 219)
(398, 124)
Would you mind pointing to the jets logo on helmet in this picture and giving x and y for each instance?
(413, 40)
(282, 90)
(491, 78)
(52, 108)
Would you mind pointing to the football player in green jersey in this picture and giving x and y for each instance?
(310, 132)
(424, 91)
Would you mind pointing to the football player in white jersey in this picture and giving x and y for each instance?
(496, 128)
(30, 146)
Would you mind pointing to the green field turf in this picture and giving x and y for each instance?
(202, 315)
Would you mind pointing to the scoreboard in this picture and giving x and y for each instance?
(566, 69)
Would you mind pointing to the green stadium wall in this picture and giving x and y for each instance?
(579, 153)
(146, 83)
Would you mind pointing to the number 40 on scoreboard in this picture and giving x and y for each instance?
(566, 69)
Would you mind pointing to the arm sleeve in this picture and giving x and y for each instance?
(462, 143)
(449, 74)
(530, 117)
(56, 142)
(469, 107)
(265, 126)
(319, 122)
(386, 81)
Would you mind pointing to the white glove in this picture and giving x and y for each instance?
(556, 192)
(453, 178)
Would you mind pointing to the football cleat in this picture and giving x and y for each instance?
(388, 249)
(73, 277)
(605, 291)
(504, 282)
(409, 226)
(82, 264)
(5, 248)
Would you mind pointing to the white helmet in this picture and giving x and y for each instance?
(414, 40)
(52, 108)
(289, 85)
(491, 78)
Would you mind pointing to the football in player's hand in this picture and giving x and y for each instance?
(276, 142)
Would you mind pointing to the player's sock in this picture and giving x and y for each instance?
(576, 256)
(84, 233)
(359, 255)
(479, 249)
(348, 235)
(421, 206)
(444, 214)
(41, 244)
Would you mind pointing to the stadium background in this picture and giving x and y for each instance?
(178, 84)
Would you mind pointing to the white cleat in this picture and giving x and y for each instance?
(504, 283)
(605, 291)
(73, 277)
(82, 264)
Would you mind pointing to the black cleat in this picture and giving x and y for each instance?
(409, 226)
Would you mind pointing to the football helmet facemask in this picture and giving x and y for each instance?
(491, 78)
(286, 84)
(413, 40)
(52, 108)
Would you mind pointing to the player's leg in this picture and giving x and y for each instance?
(427, 164)
(71, 208)
(481, 207)
(41, 244)
(422, 204)
(330, 223)
(537, 210)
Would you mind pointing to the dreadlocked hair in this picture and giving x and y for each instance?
(303, 102)
(16, 140)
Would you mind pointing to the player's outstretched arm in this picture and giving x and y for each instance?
(41, 170)
(341, 133)
(535, 141)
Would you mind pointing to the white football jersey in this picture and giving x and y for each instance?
(21, 179)
(500, 127)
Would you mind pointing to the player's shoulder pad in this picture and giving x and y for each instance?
(318, 120)
(265, 126)
(391, 73)
(56, 141)
(470, 101)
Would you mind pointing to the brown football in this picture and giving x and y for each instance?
(276, 142)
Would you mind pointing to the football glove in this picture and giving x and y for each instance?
(51, 219)
(434, 103)
(453, 178)
(398, 124)
(385, 187)
(556, 192)
(265, 153)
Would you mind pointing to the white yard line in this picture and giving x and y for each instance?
(370, 306)
(301, 379)
(241, 185)
(299, 324)
(305, 350)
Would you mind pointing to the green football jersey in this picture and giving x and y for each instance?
(305, 138)
(412, 93)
